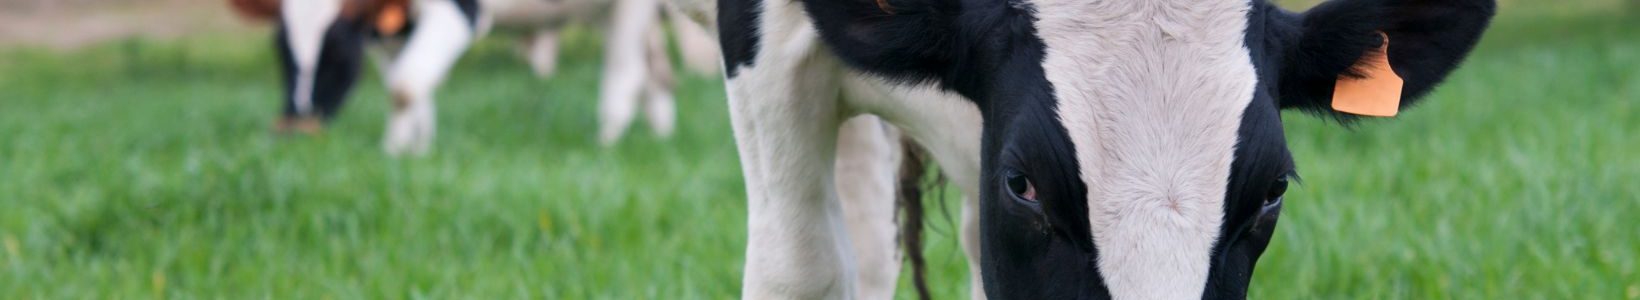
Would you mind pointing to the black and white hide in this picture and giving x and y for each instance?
(1107, 148)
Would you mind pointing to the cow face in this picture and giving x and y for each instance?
(321, 55)
(1134, 149)
(321, 48)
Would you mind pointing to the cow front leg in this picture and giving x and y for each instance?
(697, 47)
(442, 35)
(948, 127)
(785, 124)
(625, 69)
(542, 52)
(869, 157)
(660, 109)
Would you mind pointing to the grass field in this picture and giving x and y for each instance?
(146, 169)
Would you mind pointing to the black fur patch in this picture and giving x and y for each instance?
(737, 33)
(340, 60)
(469, 9)
(957, 44)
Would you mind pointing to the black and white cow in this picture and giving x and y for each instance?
(1128, 149)
(323, 43)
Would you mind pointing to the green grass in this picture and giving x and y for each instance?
(146, 169)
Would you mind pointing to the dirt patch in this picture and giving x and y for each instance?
(70, 24)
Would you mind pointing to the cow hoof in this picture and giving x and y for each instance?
(299, 125)
(542, 53)
(609, 135)
(411, 140)
(406, 148)
(662, 115)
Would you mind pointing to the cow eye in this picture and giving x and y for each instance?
(1021, 187)
(1277, 190)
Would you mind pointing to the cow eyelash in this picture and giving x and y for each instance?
(1278, 189)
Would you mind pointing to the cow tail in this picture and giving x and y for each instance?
(912, 175)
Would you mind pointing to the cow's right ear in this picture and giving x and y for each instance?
(904, 39)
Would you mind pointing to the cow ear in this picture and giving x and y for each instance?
(905, 39)
(256, 10)
(1340, 40)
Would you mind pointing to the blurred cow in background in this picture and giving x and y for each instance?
(322, 44)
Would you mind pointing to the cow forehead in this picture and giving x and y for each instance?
(1151, 94)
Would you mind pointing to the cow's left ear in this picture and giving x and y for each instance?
(1339, 39)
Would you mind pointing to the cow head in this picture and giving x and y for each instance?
(1134, 149)
(321, 48)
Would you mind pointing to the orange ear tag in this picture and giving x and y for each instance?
(391, 19)
(1377, 94)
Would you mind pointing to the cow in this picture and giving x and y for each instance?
(322, 45)
(1128, 149)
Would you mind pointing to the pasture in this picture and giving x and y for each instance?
(147, 169)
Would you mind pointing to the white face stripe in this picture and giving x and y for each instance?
(1151, 94)
(305, 24)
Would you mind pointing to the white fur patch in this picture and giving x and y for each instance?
(784, 111)
(442, 35)
(305, 23)
(1152, 94)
